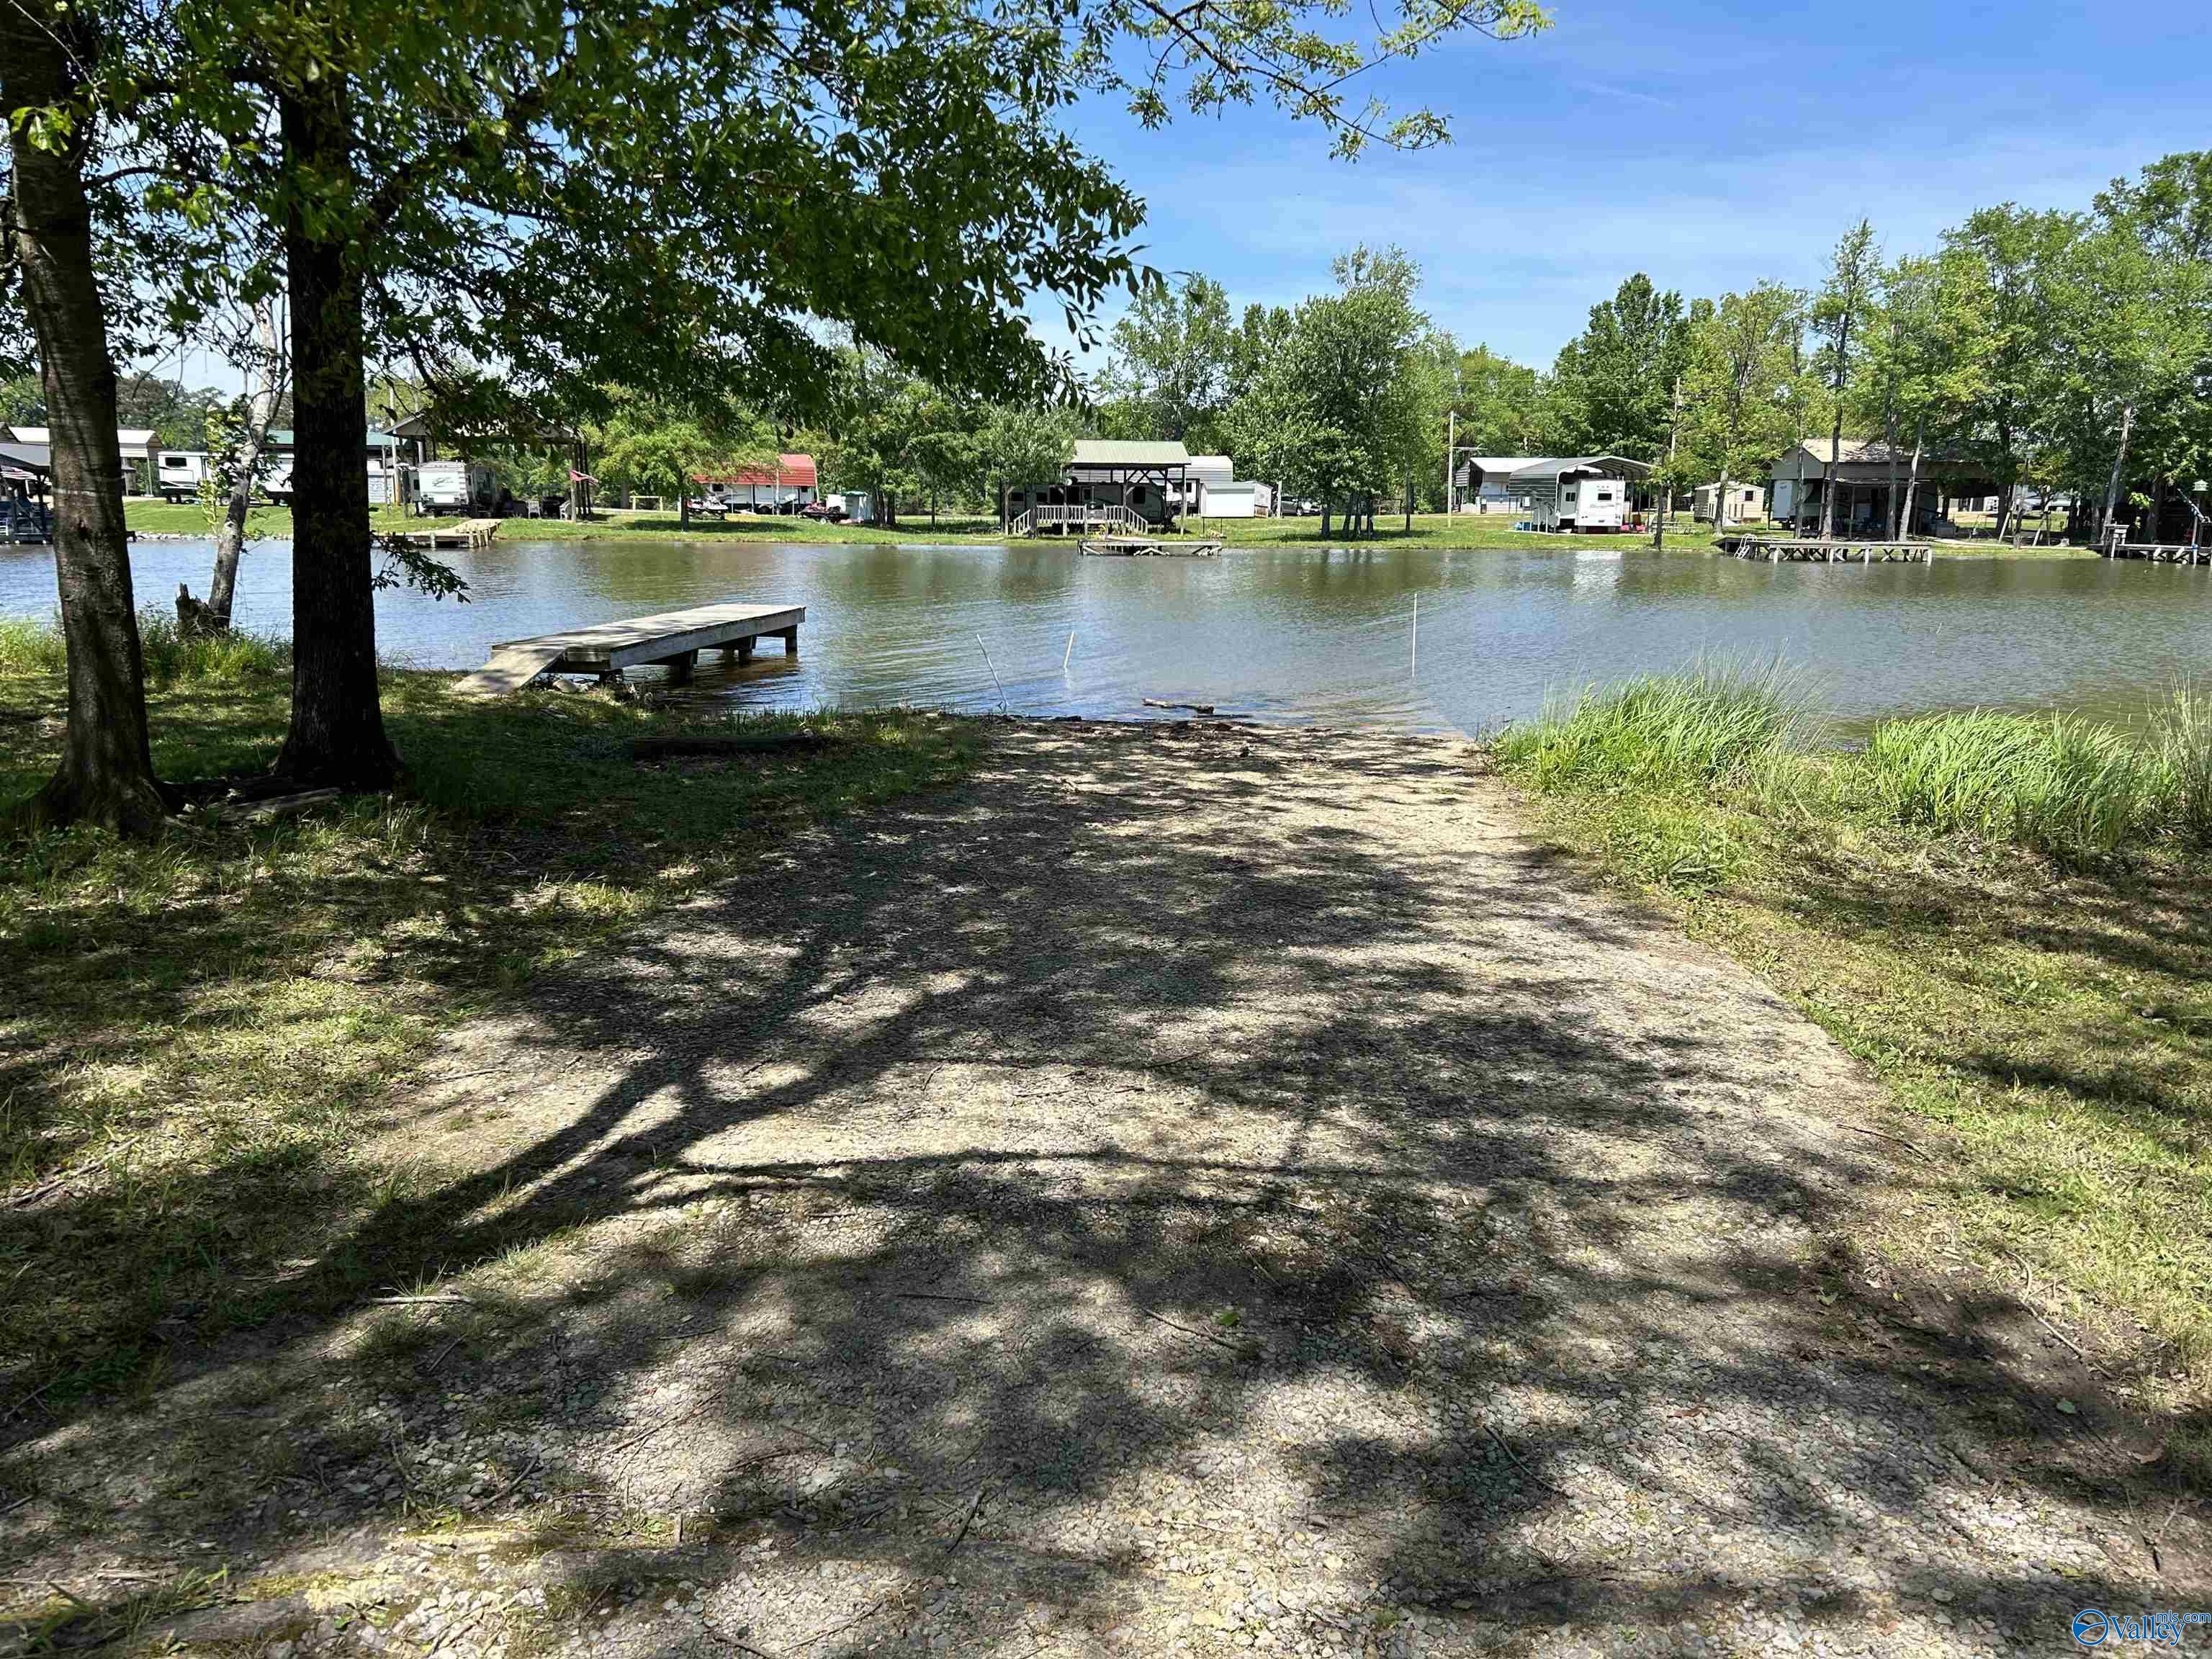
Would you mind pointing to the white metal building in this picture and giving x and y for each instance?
(1482, 483)
(1213, 490)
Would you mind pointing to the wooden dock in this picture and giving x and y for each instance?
(1811, 550)
(462, 532)
(673, 639)
(2159, 552)
(1146, 547)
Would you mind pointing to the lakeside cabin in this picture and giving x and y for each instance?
(1579, 493)
(1107, 477)
(791, 480)
(1865, 469)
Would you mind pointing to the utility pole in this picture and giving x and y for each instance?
(1452, 454)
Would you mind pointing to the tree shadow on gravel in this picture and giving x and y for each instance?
(1105, 1180)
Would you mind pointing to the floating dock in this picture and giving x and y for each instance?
(1146, 547)
(1783, 551)
(673, 640)
(462, 532)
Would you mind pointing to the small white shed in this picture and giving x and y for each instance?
(1746, 502)
(1213, 491)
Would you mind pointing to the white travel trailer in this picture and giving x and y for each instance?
(453, 487)
(178, 473)
(1579, 492)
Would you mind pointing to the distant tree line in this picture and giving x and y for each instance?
(2044, 351)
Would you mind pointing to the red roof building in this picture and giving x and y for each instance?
(795, 472)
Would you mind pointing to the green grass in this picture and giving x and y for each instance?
(199, 1027)
(2065, 785)
(1670, 730)
(2004, 916)
(1438, 529)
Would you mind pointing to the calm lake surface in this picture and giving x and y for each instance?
(1295, 634)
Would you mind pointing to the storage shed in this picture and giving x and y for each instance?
(1483, 483)
(1746, 502)
(1213, 490)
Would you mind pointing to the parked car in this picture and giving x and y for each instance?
(709, 508)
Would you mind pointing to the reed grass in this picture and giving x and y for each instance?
(2061, 784)
(2182, 729)
(1670, 731)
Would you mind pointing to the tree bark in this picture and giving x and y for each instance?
(337, 725)
(1894, 504)
(1325, 505)
(1828, 474)
(1912, 477)
(246, 459)
(2119, 461)
(682, 501)
(107, 771)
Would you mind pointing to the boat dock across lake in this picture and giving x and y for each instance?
(1143, 547)
(1811, 550)
(462, 532)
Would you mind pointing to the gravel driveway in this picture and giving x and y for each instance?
(1192, 1190)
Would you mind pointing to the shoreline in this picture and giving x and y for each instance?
(1454, 533)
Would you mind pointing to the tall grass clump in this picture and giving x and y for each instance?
(232, 657)
(2181, 731)
(2061, 784)
(1686, 730)
(29, 647)
(171, 655)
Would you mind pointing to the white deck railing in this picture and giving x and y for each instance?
(1079, 516)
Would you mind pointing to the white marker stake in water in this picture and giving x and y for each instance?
(1070, 652)
(993, 667)
(1414, 661)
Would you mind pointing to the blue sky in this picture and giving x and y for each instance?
(1710, 142)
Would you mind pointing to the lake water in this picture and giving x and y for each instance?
(1295, 634)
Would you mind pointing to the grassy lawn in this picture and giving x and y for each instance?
(2006, 917)
(1440, 530)
(200, 1029)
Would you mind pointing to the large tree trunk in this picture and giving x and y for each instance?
(1828, 474)
(337, 725)
(2119, 462)
(107, 771)
(1894, 503)
(682, 501)
(1325, 505)
(1912, 477)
